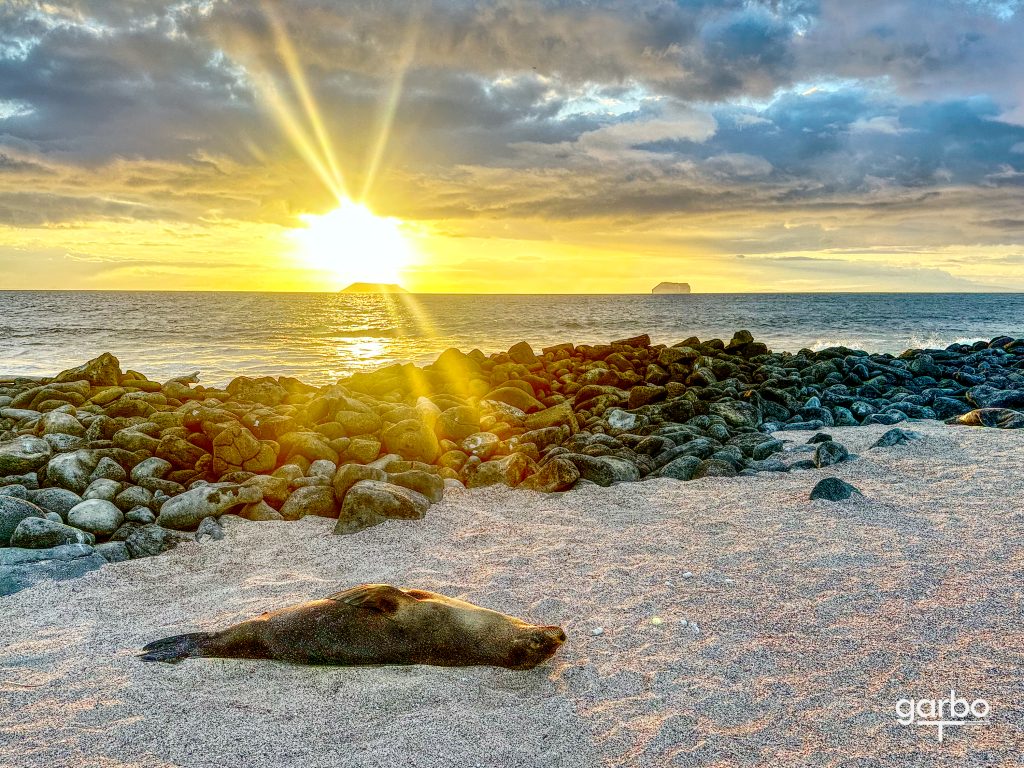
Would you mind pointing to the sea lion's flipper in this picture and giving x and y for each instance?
(382, 598)
(173, 649)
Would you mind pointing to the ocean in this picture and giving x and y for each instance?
(319, 337)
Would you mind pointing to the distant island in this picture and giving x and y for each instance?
(377, 288)
(671, 288)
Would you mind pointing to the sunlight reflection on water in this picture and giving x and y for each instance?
(320, 337)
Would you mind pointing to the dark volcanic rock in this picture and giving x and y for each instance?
(42, 533)
(150, 540)
(833, 489)
(830, 452)
(23, 454)
(603, 470)
(21, 568)
(715, 468)
(559, 474)
(894, 437)
(682, 468)
(12, 511)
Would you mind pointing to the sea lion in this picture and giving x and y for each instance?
(374, 624)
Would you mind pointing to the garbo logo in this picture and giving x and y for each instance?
(943, 713)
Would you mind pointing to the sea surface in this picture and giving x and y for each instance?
(320, 337)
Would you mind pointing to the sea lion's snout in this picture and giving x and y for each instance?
(534, 646)
(556, 634)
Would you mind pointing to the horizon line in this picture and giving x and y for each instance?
(407, 292)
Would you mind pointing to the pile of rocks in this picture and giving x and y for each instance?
(113, 464)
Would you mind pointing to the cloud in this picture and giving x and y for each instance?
(774, 124)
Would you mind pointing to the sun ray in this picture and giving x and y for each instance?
(406, 56)
(299, 82)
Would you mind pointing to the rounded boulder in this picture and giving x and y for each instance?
(97, 516)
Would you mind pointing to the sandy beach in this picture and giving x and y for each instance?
(804, 623)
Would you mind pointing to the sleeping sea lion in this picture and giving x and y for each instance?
(374, 624)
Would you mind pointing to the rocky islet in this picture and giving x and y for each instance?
(100, 464)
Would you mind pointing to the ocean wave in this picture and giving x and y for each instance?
(314, 338)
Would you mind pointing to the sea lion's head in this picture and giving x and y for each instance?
(531, 645)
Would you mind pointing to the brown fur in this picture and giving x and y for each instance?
(374, 624)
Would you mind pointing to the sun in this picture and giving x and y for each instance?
(354, 244)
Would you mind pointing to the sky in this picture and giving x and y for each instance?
(514, 146)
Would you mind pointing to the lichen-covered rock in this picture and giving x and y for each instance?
(309, 445)
(102, 489)
(350, 474)
(42, 533)
(715, 468)
(558, 474)
(370, 502)
(108, 469)
(260, 511)
(72, 470)
(103, 371)
(894, 437)
(12, 511)
(411, 439)
(523, 354)
(58, 500)
(133, 496)
(96, 516)
(517, 398)
(355, 423)
(186, 511)
(275, 489)
(236, 448)
(151, 540)
(140, 515)
(179, 452)
(60, 423)
(555, 416)
(361, 449)
(113, 551)
(604, 470)
(457, 423)
(681, 468)
(151, 467)
(23, 454)
(265, 391)
(427, 483)
(209, 529)
(310, 500)
(508, 470)
(482, 444)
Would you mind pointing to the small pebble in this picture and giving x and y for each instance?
(656, 620)
(695, 627)
(688, 575)
(597, 631)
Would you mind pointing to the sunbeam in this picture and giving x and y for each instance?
(406, 56)
(284, 47)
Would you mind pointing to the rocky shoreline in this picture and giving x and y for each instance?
(100, 465)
